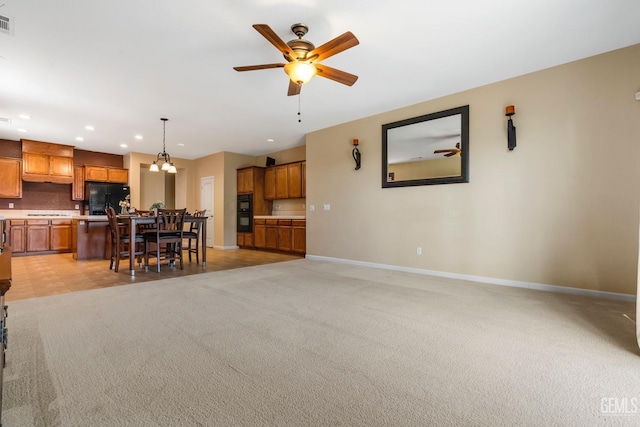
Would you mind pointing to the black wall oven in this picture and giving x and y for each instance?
(245, 213)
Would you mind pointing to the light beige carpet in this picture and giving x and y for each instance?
(310, 343)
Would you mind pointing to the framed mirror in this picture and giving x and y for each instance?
(426, 150)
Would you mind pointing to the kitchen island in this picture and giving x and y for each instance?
(89, 237)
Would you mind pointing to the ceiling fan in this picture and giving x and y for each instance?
(450, 151)
(303, 58)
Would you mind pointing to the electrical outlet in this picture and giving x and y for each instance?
(10, 205)
(312, 208)
(327, 207)
(418, 250)
(77, 207)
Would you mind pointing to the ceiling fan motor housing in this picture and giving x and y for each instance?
(301, 47)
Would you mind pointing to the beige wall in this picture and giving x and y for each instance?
(290, 155)
(561, 209)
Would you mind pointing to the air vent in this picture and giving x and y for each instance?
(5, 120)
(6, 25)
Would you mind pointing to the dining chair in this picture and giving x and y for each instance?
(121, 243)
(167, 237)
(193, 234)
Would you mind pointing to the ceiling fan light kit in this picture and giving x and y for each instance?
(303, 58)
(300, 72)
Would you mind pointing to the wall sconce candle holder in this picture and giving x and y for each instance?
(356, 154)
(511, 129)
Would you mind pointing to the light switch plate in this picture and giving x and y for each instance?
(327, 207)
(312, 208)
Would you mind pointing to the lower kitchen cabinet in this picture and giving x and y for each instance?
(299, 236)
(260, 233)
(284, 235)
(39, 236)
(271, 234)
(17, 234)
(245, 240)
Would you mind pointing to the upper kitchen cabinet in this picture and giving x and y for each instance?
(245, 180)
(46, 162)
(285, 181)
(106, 174)
(77, 189)
(10, 178)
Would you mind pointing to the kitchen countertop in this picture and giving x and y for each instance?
(40, 217)
(279, 217)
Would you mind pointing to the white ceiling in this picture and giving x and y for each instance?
(121, 65)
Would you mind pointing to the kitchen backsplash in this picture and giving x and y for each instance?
(289, 207)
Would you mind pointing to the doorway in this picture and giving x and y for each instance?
(206, 202)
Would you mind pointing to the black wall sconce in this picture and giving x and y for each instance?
(356, 153)
(511, 129)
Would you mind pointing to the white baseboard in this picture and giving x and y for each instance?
(226, 248)
(490, 280)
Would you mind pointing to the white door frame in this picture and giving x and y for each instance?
(205, 182)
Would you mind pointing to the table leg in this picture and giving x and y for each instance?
(132, 246)
(204, 243)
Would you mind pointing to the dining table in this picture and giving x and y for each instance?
(133, 221)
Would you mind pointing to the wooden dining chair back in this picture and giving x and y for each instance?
(167, 237)
(120, 242)
(192, 235)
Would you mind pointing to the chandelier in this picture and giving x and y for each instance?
(163, 157)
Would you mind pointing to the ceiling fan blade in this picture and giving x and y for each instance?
(448, 150)
(273, 38)
(453, 153)
(258, 67)
(336, 75)
(332, 47)
(294, 88)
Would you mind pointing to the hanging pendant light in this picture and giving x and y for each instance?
(163, 157)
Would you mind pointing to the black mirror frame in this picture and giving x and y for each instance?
(464, 148)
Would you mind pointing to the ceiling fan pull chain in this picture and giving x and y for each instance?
(299, 114)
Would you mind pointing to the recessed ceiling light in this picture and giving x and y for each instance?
(25, 116)
(123, 145)
(138, 137)
(22, 130)
(89, 127)
(181, 144)
(270, 140)
(79, 138)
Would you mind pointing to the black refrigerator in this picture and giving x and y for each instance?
(102, 195)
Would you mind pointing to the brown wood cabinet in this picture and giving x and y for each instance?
(271, 234)
(40, 236)
(299, 236)
(284, 235)
(270, 183)
(17, 234)
(106, 174)
(304, 179)
(245, 240)
(10, 178)
(285, 181)
(282, 182)
(260, 233)
(60, 235)
(37, 235)
(46, 162)
(245, 180)
(77, 187)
